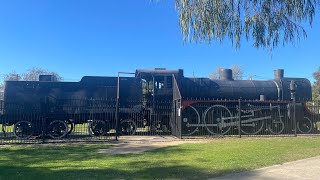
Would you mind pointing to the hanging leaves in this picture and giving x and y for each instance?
(267, 22)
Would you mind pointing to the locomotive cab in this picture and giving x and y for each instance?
(157, 91)
(157, 83)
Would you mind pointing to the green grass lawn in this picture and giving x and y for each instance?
(187, 161)
(6, 128)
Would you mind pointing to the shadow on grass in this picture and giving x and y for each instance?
(69, 162)
(172, 172)
(35, 153)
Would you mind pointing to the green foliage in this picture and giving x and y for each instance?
(267, 22)
(1, 92)
(315, 93)
(316, 85)
(187, 161)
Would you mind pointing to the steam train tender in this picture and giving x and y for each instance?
(105, 103)
(109, 103)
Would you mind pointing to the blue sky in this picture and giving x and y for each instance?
(101, 37)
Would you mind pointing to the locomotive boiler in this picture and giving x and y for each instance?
(277, 89)
(124, 104)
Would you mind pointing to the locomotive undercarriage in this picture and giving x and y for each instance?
(221, 119)
(55, 129)
(33, 125)
(58, 129)
(214, 119)
(96, 124)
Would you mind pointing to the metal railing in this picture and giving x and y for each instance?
(69, 120)
(74, 120)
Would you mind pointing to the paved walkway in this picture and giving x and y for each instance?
(302, 169)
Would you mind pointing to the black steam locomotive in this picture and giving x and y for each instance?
(276, 106)
(115, 104)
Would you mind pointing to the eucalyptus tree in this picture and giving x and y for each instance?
(266, 22)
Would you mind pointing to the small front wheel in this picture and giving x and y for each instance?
(305, 125)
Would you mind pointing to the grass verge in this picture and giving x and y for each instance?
(187, 161)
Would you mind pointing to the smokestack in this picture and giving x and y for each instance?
(226, 74)
(278, 74)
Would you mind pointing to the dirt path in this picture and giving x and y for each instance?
(139, 144)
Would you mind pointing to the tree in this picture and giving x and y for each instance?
(316, 85)
(216, 74)
(33, 74)
(30, 75)
(1, 91)
(267, 22)
(12, 76)
(237, 73)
